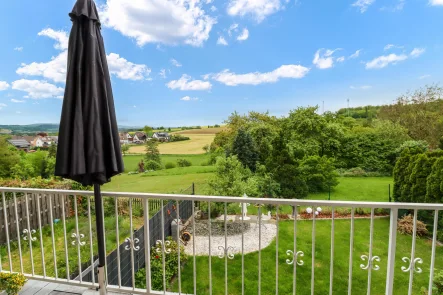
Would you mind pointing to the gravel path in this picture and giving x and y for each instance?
(268, 232)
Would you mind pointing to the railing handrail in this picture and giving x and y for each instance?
(272, 201)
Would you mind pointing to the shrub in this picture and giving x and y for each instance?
(11, 283)
(184, 163)
(178, 137)
(406, 226)
(152, 165)
(170, 165)
(171, 267)
(437, 286)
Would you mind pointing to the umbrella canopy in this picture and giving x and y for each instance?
(89, 145)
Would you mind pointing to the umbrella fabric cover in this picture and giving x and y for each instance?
(89, 145)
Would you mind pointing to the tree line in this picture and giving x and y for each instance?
(291, 156)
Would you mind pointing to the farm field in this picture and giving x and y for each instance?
(193, 146)
(322, 262)
(198, 139)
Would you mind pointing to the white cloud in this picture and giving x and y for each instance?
(397, 7)
(54, 70)
(18, 112)
(364, 87)
(363, 4)
(213, 8)
(17, 101)
(60, 36)
(385, 60)
(341, 59)
(3, 85)
(18, 48)
(159, 21)
(436, 2)
(233, 27)
(175, 63)
(2, 105)
(186, 83)
(259, 9)
(222, 41)
(355, 55)
(323, 59)
(163, 73)
(285, 71)
(424, 77)
(188, 98)
(209, 1)
(390, 46)
(38, 89)
(127, 70)
(244, 35)
(416, 52)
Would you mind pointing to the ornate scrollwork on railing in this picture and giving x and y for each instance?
(27, 234)
(370, 262)
(132, 244)
(166, 247)
(228, 252)
(78, 239)
(412, 264)
(294, 257)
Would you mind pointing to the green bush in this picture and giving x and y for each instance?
(152, 165)
(171, 267)
(11, 283)
(178, 137)
(170, 165)
(184, 163)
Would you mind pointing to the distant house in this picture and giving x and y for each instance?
(54, 139)
(20, 144)
(161, 136)
(125, 138)
(44, 141)
(139, 137)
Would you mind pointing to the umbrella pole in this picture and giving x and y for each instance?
(100, 239)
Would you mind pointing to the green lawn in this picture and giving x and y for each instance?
(167, 183)
(375, 189)
(131, 161)
(322, 262)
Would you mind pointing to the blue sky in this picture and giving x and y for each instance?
(193, 62)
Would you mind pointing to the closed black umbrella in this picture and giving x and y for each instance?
(89, 145)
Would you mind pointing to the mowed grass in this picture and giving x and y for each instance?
(365, 189)
(191, 147)
(131, 161)
(167, 184)
(321, 265)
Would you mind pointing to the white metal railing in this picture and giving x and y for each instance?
(50, 251)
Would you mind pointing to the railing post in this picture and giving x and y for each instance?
(147, 245)
(391, 252)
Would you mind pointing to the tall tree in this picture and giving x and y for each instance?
(243, 147)
(420, 112)
(434, 187)
(152, 152)
(9, 157)
(284, 169)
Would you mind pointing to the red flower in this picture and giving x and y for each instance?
(157, 257)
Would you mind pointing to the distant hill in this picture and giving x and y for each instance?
(47, 128)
